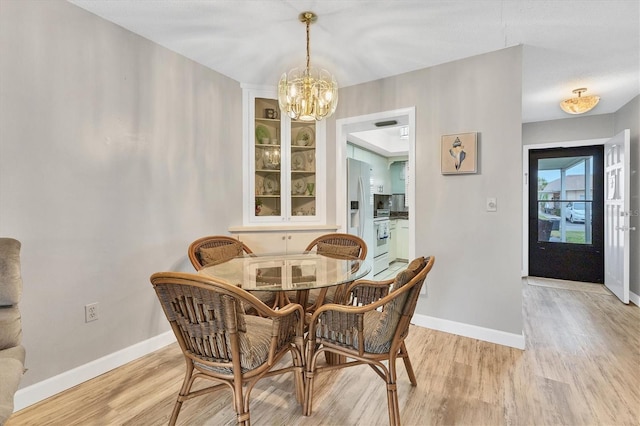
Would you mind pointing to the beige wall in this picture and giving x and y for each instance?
(115, 154)
(476, 278)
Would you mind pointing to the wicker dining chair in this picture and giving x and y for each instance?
(370, 330)
(215, 249)
(338, 245)
(220, 343)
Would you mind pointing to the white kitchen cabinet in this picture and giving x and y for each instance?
(393, 239)
(284, 169)
(280, 241)
(402, 241)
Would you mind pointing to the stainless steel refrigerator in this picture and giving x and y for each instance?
(360, 204)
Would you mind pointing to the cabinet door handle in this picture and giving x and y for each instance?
(283, 237)
(289, 236)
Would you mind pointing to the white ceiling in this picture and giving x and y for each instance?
(567, 43)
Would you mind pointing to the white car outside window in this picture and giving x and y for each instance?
(574, 212)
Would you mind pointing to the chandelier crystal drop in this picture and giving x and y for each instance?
(308, 94)
(579, 104)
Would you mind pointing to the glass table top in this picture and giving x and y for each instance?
(280, 271)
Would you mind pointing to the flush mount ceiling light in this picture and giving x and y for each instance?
(309, 94)
(580, 104)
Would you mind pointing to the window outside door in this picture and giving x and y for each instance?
(566, 214)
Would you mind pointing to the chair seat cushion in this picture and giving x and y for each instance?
(254, 345)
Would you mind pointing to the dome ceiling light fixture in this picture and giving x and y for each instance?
(580, 104)
(309, 94)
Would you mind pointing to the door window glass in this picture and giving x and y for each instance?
(565, 199)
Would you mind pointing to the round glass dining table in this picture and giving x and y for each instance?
(283, 272)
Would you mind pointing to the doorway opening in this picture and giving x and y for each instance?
(345, 130)
(566, 213)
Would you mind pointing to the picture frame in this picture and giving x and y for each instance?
(459, 154)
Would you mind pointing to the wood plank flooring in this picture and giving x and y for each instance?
(581, 367)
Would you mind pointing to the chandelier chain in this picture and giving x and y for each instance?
(308, 20)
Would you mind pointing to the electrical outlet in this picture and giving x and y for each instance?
(91, 312)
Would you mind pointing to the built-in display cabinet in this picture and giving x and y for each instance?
(285, 164)
(279, 241)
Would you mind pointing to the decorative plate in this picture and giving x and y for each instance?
(298, 186)
(298, 161)
(262, 133)
(305, 137)
(272, 184)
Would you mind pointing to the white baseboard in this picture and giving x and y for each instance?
(634, 298)
(51, 386)
(473, 331)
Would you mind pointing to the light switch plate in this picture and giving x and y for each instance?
(492, 204)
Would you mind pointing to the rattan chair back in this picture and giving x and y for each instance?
(339, 244)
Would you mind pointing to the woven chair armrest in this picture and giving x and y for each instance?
(367, 283)
(343, 308)
(370, 283)
(287, 328)
(292, 310)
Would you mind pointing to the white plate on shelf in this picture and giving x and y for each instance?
(298, 186)
(271, 184)
(305, 137)
(298, 161)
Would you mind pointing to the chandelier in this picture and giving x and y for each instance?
(309, 94)
(580, 104)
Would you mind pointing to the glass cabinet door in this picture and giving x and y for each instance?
(284, 180)
(303, 169)
(268, 158)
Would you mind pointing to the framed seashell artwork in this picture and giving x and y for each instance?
(459, 154)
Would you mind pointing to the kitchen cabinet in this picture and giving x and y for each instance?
(280, 241)
(393, 239)
(284, 170)
(402, 240)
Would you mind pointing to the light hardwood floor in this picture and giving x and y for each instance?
(581, 367)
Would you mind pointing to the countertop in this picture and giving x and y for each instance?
(399, 215)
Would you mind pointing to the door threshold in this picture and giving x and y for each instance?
(569, 285)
